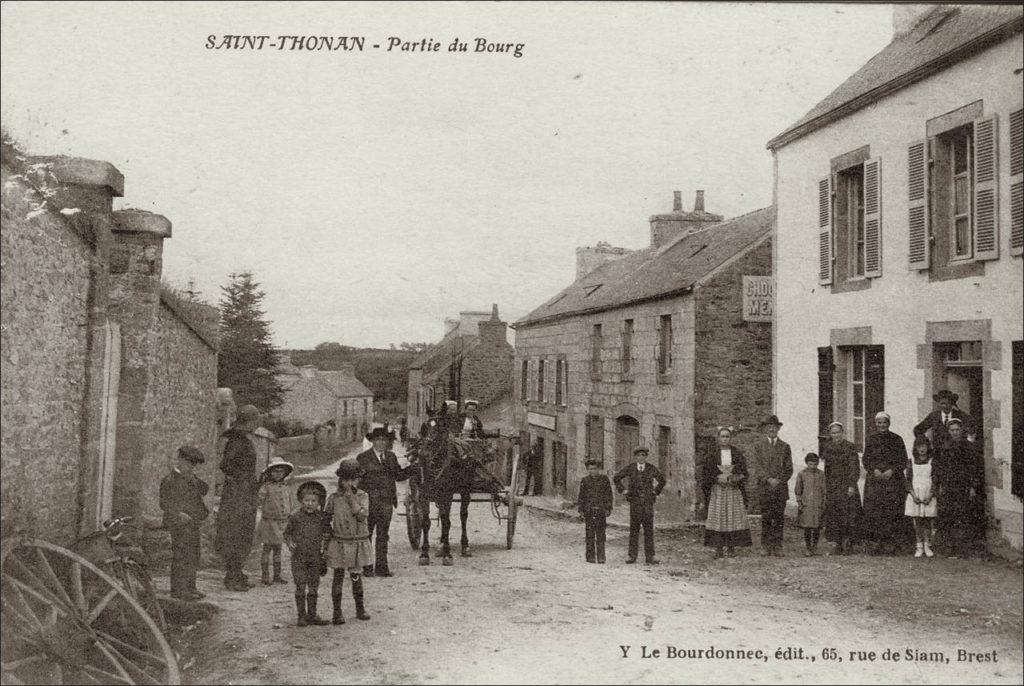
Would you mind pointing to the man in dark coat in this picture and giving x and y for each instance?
(236, 516)
(595, 504)
(645, 484)
(534, 463)
(181, 499)
(773, 466)
(960, 476)
(938, 420)
(380, 472)
(469, 423)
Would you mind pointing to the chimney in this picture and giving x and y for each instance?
(590, 258)
(906, 17)
(666, 228)
(493, 331)
(88, 185)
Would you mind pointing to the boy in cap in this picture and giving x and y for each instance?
(181, 499)
(645, 484)
(303, 534)
(595, 504)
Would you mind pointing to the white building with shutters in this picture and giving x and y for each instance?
(899, 240)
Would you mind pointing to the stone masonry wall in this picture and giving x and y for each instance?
(733, 380)
(487, 371)
(180, 406)
(44, 282)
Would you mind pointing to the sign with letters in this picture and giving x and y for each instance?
(544, 421)
(758, 298)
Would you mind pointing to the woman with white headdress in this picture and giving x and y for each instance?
(723, 480)
(842, 499)
(885, 459)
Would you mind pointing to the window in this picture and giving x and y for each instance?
(524, 382)
(665, 344)
(850, 222)
(366, 406)
(595, 352)
(959, 145)
(344, 408)
(595, 437)
(540, 380)
(864, 390)
(664, 449)
(559, 380)
(627, 347)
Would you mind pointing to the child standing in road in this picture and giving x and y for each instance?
(349, 546)
(303, 534)
(595, 504)
(276, 504)
(921, 492)
(810, 497)
(181, 499)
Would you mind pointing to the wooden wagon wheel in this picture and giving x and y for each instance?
(139, 584)
(65, 621)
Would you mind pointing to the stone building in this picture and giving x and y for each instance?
(316, 397)
(472, 360)
(105, 371)
(899, 243)
(654, 348)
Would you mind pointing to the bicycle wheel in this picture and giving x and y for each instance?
(140, 586)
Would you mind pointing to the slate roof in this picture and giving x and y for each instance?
(944, 36)
(343, 384)
(653, 273)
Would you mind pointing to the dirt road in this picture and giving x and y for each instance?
(540, 614)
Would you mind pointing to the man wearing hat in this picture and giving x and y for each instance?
(469, 423)
(773, 464)
(645, 484)
(937, 421)
(380, 472)
(181, 499)
(236, 516)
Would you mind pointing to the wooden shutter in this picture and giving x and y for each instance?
(826, 370)
(986, 189)
(825, 231)
(873, 218)
(1017, 182)
(917, 184)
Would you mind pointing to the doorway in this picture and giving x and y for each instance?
(958, 368)
(627, 437)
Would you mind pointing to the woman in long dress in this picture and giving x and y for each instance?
(842, 498)
(885, 459)
(723, 479)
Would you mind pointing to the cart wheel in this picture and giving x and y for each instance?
(65, 621)
(413, 525)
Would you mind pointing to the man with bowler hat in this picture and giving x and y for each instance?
(380, 472)
(937, 421)
(773, 462)
(181, 499)
(645, 484)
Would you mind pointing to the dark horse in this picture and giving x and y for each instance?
(446, 466)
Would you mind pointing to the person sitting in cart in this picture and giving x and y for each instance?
(181, 499)
(469, 423)
(595, 505)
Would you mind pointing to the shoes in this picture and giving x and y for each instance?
(717, 555)
(919, 550)
(368, 571)
(778, 553)
(631, 561)
(928, 550)
(600, 560)
(237, 587)
(382, 572)
(279, 580)
(652, 561)
(767, 552)
(196, 595)
(590, 559)
(808, 553)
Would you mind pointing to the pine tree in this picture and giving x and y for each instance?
(247, 358)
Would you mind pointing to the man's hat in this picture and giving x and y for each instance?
(275, 463)
(192, 454)
(314, 486)
(592, 461)
(349, 469)
(946, 394)
(955, 420)
(380, 432)
(641, 449)
(770, 420)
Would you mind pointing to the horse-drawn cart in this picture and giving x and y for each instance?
(465, 471)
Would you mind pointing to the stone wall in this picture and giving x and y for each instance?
(180, 405)
(44, 282)
(733, 379)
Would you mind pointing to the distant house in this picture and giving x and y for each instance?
(900, 234)
(654, 347)
(315, 398)
(472, 360)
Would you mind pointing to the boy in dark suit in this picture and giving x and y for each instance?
(595, 504)
(645, 484)
(181, 499)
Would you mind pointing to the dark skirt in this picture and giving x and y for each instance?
(883, 507)
(843, 513)
(236, 518)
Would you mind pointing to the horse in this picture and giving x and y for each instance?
(448, 465)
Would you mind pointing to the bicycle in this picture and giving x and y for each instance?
(112, 551)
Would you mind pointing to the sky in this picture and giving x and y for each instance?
(374, 193)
